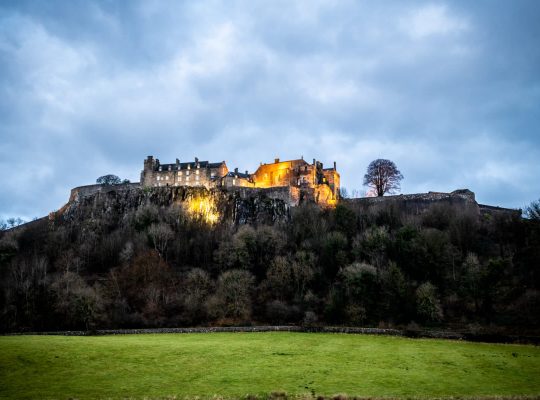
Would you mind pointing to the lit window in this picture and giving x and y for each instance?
(187, 178)
(161, 168)
(197, 177)
(167, 177)
(234, 181)
(213, 175)
(197, 172)
(187, 173)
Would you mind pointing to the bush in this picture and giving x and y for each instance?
(428, 305)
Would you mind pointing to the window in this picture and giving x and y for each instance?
(158, 178)
(187, 173)
(161, 168)
(197, 177)
(187, 178)
(197, 172)
(167, 177)
(169, 167)
(213, 175)
(234, 181)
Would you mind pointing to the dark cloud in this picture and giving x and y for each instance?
(449, 90)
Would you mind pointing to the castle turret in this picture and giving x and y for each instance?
(148, 170)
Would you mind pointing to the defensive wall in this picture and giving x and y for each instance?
(81, 192)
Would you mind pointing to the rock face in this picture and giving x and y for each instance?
(209, 205)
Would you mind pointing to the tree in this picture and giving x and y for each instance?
(428, 305)
(161, 234)
(533, 211)
(383, 176)
(109, 180)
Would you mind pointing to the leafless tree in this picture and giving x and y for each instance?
(161, 235)
(533, 211)
(383, 176)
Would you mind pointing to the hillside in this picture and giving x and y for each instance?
(121, 257)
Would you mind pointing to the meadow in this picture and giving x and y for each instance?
(233, 365)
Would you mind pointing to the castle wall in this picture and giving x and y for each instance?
(417, 203)
(333, 179)
(236, 181)
(89, 190)
(192, 174)
(310, 181)
(277, 174)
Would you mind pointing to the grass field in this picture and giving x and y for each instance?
(236, 364)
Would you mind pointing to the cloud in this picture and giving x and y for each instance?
(92, 88)
(432, 20)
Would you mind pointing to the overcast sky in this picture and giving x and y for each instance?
(450, 91)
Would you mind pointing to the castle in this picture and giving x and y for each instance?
(304, 181)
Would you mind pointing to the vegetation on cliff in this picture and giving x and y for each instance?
(150, 258)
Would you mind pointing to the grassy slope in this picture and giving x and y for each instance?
(234, 364)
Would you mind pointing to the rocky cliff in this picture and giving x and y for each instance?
(209, 205)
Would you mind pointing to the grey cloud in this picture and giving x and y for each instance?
(449, 90)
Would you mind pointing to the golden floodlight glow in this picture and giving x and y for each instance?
(203, 208)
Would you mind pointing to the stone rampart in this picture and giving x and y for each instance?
(492, 210)
(418, 203)
(81, 192)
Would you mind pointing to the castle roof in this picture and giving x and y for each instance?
(238, 175)
(192, 165)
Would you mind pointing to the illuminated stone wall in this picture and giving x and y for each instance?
(311, 182)
(195, 173)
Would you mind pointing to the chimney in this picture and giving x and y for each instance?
(334, 165)
(276, 160)
(247, 173)
(313, 161)
(196, 160)
(236, 170)
(177, 162)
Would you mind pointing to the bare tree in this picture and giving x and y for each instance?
(161, 235)
(383, 176)
(533, 211)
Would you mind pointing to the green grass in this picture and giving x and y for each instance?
(235, 364)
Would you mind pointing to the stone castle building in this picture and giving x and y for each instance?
(305, 181)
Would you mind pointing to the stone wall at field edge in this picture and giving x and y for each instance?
(432, 334)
